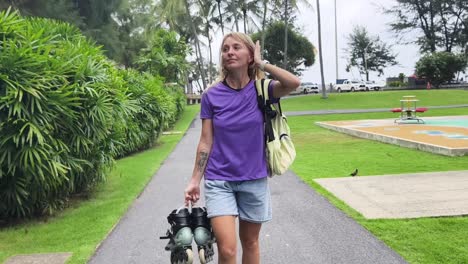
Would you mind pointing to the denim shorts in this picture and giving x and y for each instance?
(250, 200)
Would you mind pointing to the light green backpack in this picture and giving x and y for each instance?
(279, 147)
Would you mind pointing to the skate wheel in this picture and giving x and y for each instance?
(182, 256)
(189, 256)
(201, 255)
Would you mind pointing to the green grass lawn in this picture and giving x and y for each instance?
(323, 153)
(80, 228)
(364, 100)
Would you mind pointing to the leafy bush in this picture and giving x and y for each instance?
(142, 126)
(164, 55)
(65, 113)
(440, 67)
(56, 106)
(394, 84)
(302, 53)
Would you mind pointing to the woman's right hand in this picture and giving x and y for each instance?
(192, 193)
(257, 54)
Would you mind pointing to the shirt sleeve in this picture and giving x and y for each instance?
(206, 111)
(270, 93)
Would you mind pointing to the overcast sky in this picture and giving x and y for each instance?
(365, 13)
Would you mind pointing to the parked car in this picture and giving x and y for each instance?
(306, 88)
(309, 87)
(350, 86)
(372, 86)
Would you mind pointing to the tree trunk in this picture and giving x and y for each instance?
(199, 65)
(236, 20)
(244, 12)
(263, 24)
(433, 33)
(324, 92)
(364, 60)
(210, 79)
(285, 57)
(197, 44)
(220, 16)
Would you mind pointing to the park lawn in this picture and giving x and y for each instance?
(81, 227)
(323, 153)
(382, 99)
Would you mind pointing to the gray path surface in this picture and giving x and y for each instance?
(306, 228)
(352, 111)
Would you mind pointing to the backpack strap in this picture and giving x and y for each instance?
(264, 104)
(262, 95)
(262, 90)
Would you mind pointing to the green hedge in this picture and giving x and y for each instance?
(156, 110)
(66, 112)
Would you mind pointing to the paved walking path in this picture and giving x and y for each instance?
(352, 111)
(306, 228)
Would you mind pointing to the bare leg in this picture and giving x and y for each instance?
(224, 228)
(249, 233)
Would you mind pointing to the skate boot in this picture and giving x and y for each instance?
(180, 237)
(202, 234)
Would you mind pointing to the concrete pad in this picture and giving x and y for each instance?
(403, 195)
(51, 258)
(445, 135)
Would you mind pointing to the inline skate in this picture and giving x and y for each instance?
(202, 234)
(180, 237)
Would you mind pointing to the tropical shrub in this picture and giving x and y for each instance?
(66, 112)
(302, 55)
(164, 55)
(440, 67)
(56, 105)
(141, 127)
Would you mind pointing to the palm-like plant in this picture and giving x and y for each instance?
(232, 14)
(164, 55)
(65, 112)
(207, 15)
(56, 110)
(171, 11)
(287, 5)
(250, 12)
(265, 9)
(244, 10)
(220, 15)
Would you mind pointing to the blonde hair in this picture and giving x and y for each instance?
(245, 39)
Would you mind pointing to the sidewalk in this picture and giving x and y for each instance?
(305, 228)
(352, 111)
(408, 195)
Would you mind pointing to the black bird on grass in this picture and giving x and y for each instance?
(354, 173)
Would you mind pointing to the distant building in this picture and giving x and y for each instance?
(412, 80)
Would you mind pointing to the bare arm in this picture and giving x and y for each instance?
(286, 81)
(192, 192)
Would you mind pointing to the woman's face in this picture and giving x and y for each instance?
(235, 54)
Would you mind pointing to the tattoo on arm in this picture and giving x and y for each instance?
(202, 161)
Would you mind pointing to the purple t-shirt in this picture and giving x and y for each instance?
(238, 151)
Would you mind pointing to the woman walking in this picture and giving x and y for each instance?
(231, 150)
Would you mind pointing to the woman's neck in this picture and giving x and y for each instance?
(237, 81)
